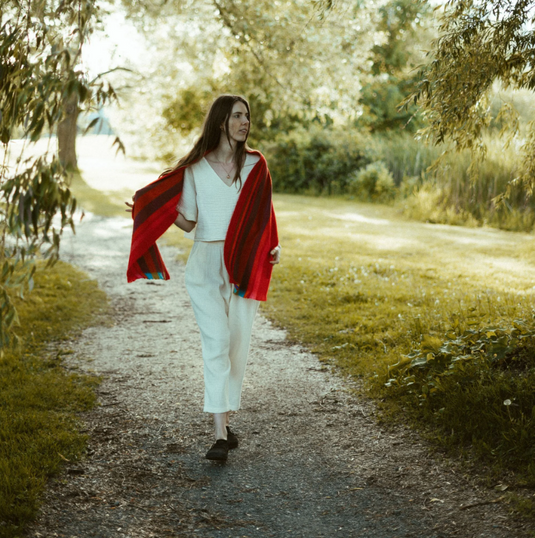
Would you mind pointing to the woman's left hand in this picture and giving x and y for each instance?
(276, 253)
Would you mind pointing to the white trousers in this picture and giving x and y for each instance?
(225, 321)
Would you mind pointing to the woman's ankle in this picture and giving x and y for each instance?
(220, 425)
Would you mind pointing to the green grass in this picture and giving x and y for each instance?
(39, 398)
(97, 202)
(362, 286)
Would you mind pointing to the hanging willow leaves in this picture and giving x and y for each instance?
(480, 43)
(40, 47)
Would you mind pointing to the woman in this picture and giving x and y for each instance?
(222, 190)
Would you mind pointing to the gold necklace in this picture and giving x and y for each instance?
(223, 166)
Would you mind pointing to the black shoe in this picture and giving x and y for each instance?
(232, 439)
(218, 451)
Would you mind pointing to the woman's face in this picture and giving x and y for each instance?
(238, 123)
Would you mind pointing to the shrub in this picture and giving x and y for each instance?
(476, 388)
(373, 183)
(316, 161)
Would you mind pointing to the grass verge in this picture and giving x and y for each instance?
(39, 398)
(97, 202)
(364, 287)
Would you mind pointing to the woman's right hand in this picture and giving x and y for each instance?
(130, 206)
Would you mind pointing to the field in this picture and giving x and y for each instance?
(363, 284)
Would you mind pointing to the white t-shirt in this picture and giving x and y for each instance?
(207, 200)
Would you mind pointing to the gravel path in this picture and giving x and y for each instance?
(312, 459)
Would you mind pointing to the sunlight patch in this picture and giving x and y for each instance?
(357, 217)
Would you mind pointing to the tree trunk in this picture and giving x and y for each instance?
(67, 134)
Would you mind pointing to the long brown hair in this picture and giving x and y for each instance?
(218, 114)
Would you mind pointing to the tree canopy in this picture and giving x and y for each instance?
(407, 28)
(297, 62)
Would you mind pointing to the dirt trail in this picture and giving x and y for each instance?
(312, 460)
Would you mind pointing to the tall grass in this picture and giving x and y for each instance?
(404, 156)
(451, 196)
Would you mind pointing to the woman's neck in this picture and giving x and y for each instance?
(224, 152)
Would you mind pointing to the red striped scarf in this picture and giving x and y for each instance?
(251, 235)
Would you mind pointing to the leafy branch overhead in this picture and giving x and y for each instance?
(40, 76)
(480, 44)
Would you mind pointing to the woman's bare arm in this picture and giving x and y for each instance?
(181, 222)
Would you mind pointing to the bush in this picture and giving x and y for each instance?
(316, 161)
(329, 160)
(476, 388)
(374, 183)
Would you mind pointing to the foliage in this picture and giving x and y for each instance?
(380, 100)
(404, 155)
(39, 398)
(186, 111)
(425, 366)
(362, 288)
(451, 195)
(374, 183)
(479, 43)
(521, 100)
(448, 195)
(294, 63)
(40, 47)
(328, 160)
(293, 155)
(406, 25)
(476, 386)
(318, 160)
